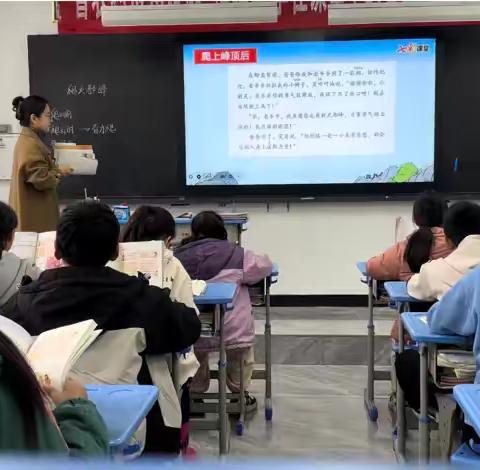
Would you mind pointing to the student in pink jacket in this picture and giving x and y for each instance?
(428, 242)
(209, 256)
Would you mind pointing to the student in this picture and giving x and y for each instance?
(87, 239)
(12, 268)
(406, 257)
(155, 223)
(209, 256)
(462, 229)
(27, 424)
(458, 312)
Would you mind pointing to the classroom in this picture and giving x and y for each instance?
(236, 234)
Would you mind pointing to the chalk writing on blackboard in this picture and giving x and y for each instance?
(100, 129)
(59, 114)
(62, 130)
(80, 89)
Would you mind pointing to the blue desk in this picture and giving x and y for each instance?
(397, 291)
(419, 330)
(123, 408)
(221, 294)
(362, 267)
(217, 293)
(468, 398)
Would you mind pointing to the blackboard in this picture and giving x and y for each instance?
(137, 87)
(123, 95)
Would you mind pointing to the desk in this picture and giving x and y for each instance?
(372, 375)
(397, 291)
(123, 408)
(468, 398)
(419, 329)
(220, 294)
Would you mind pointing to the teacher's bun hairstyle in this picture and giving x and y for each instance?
(25, 107)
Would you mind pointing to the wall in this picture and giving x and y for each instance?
(315, 244)
(17, 20)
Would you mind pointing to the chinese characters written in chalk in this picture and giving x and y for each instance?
(90, 89)
(57, 129)
(59, 114)
(100, 129)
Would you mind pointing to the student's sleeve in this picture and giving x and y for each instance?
(169, 326)
(388, 265)
(182, 290)
(457, 312)
(40, 174)
(255, 267)
(421, 286)
(82, 428)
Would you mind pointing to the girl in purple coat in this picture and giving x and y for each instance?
(209, 256)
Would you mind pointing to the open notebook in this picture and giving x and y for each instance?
(144, 257)
(39, 248)
(54, 352)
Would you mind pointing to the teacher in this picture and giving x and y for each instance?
(35, 175)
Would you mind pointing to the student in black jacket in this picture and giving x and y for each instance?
(87, 239)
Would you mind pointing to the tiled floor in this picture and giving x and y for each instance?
(318, 413)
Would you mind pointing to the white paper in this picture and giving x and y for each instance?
(19, 336)
(25, 245)
(198, 287)
(54, 352)
(79, 165)
(144, 257)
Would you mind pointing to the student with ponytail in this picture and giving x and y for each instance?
(402, 260)
(35, 175)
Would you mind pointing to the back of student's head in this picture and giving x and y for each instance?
(149, 223)
(18, 378)
(8, 224)
(208, 224)
(428, 212)
(462, 219)
(87, 234)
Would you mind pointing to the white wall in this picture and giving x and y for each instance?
(315, 244)
(17, 20)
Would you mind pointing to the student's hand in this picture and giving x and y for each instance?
(71, 389)
(65, 170)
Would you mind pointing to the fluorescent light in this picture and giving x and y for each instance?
(402, 12)
(190, 13)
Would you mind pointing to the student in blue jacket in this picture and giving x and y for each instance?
(458, 312)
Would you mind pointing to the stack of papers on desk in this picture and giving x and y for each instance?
(234, 216)
(459, 366)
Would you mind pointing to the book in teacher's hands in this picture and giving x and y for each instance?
(39, 248)
(53, 353)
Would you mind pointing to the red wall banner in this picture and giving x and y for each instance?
(85, 18)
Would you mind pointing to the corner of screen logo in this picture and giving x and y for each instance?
(412, 48)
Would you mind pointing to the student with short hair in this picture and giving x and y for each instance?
(462, 230)
(209, 256)
(12, 269)
(400, 261)
(87, 239)
(26, 422)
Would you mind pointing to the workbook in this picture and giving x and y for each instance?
(141, 257)
(39, 248)
(53, 353)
